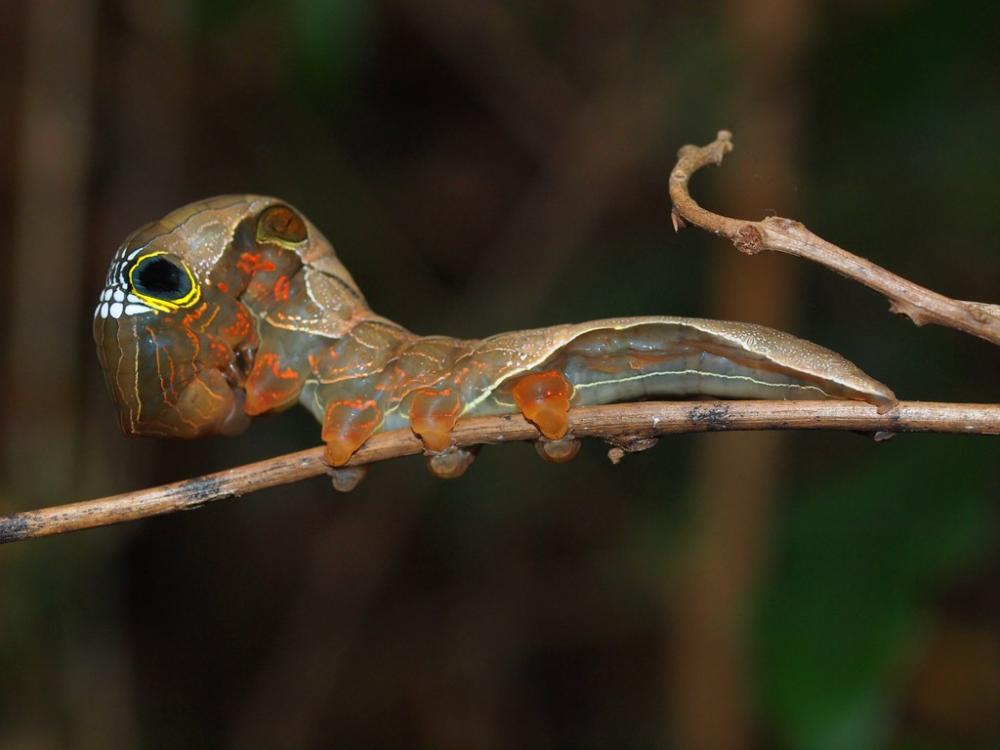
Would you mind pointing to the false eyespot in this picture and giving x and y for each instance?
(281, 225)
(163, 282)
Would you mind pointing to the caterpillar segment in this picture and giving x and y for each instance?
(238, 306)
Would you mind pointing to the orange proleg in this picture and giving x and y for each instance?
(346, 426)
(543, 398)
(432, 415)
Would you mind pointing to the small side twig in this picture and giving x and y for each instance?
(621, 424)
(918, 303)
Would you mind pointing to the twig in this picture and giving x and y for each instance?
(918, 303)
(628, 427)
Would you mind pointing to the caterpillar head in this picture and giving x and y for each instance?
(178, 322)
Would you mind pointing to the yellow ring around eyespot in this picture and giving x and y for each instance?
(163, 305)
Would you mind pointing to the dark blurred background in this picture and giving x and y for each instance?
(483, 166)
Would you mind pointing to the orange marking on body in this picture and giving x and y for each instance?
(210, 319)
(240, 327)
(192, 316)
(269, 386)
(195, 341)
(281, 287)
(346, 426)
(222, 355)
(543, 398)
(433, 414)
(257, 290)
(173, 373)
(250, 263)
(223, 287)
(275, 364)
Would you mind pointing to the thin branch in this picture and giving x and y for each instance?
(918, 303)
(628, 427)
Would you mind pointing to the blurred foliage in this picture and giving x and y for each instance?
(323, 42)
(855, 562)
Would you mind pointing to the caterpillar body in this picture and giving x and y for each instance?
(237, 305)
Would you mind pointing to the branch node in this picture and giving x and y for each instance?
(902, 307)
(676, 220)
(784, 224)
(632, 443)
(982, 312)
(713, 416)
(721, 146)
(748, 240)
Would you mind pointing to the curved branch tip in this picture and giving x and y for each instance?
(789, 236)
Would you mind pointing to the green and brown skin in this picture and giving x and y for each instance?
(237, 305)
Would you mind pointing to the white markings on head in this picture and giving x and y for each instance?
(123, 304)
(116, 299)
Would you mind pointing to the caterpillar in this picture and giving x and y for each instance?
(237, 305)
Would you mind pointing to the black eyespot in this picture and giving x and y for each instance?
(160, 278)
